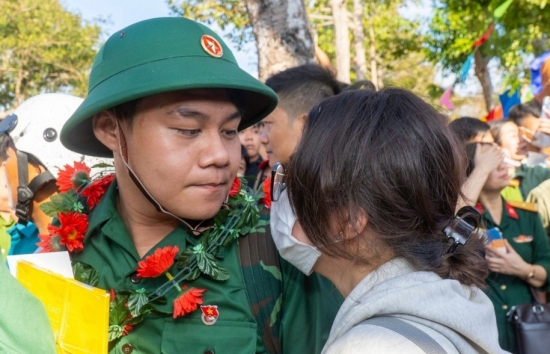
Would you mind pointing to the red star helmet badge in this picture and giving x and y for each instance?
(211, 46)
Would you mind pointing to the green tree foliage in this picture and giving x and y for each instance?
(456, 24)
(230, 15)
(43, 48)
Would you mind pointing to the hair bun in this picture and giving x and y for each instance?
(461, 227)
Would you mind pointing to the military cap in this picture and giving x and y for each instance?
(161, 55)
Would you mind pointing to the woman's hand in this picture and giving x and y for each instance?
(488, 157)
(509, 263)
(544, 125)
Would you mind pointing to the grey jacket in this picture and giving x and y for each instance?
(460, 318)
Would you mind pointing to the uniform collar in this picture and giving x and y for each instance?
(104, 210)
(508, 212)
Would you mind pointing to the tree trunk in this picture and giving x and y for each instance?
(18, 83)
(372, 54)
(282, 35)
(482, 73)
(341, 35)
(360, 61)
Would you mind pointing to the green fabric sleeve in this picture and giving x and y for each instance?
(24, 325)
(533, 177)
(541, 249)
(310, 305)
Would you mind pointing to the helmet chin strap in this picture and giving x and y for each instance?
(197, 230)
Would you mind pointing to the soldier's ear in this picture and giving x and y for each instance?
(106, 129)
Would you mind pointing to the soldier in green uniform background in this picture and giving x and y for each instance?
(166, 99)
(522, 260)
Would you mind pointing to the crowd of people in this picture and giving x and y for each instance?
(376, 209)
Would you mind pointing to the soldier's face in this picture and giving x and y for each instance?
(280, 135)
(184, 147)
(498, 179)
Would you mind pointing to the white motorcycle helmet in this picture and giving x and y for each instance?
(38, 123)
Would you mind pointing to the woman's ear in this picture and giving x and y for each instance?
(357, 225)
(106, 130)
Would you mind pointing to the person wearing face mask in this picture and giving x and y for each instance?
(173, 226)
(368, 200)
(524, 259)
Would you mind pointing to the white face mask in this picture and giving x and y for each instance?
(297, 253)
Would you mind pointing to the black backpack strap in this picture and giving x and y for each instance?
(26, 190)
(415, 335)
(262, 277)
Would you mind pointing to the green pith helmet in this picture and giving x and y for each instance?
(161, 55)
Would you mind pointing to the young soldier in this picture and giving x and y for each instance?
(299, 89)
(166, 99)
(250, 139)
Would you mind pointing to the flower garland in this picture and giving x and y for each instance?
(79, 194)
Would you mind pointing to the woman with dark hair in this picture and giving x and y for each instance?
(522, 262)
(374, 184)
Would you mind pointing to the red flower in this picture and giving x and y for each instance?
(267, 193)
(73, 177)
(72, 230)
(50, 242)
(127, 328)
(188, 302)
(236, 187)
(96, 189)
(158, 263)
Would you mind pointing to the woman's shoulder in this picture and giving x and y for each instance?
(371, 338)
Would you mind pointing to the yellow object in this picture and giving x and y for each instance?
(524, 205)
(512, 193)
(78, 313)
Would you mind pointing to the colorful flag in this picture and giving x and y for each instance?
(466, 68)
(445, 100)
(485, 36)
(499, 11)
(536, 77)
(509, 99)
(495, 114)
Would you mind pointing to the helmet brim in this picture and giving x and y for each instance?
(171, 74)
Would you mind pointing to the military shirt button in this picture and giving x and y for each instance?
(209, 351)
(503, 287)
(127, 348)
(505, 307)
(135, 279)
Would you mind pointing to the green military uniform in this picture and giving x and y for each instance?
(172, 54)
(529, 177)
(307, 310)
(506, 291)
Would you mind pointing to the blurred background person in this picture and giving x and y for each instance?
(507, 135)
(470, 130)
(298, 89)
(250, 139)
(244, 161)
(523, 262)
(488, 157)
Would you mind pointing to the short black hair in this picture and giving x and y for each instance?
(302, 87)
(361, 85)
(522, 110)
(466, 128)
(127, 110)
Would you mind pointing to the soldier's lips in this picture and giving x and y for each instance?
(211, 186)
